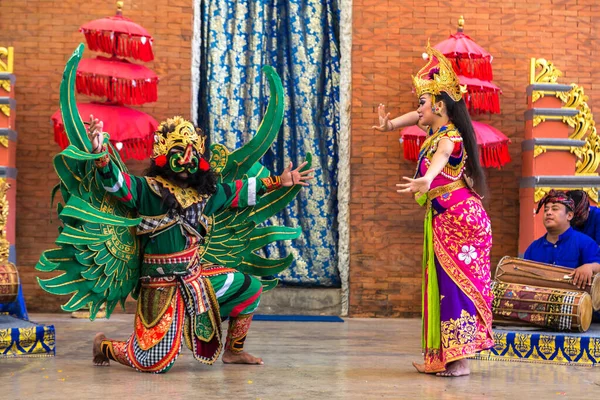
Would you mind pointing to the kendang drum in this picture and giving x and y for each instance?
(551, 308)
(517, 270)
(9, 283)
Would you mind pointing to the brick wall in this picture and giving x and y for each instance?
(44, 34)
(388, 39)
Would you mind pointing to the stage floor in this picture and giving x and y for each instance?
(358, 359)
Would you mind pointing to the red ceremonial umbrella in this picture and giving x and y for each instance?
(493, 144)
(467, 57)
(482, 95)
(131, 131)
(118, 36)
(473, 65)
(118, 80)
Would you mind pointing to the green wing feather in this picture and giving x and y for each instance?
(235, 235)
(98, 251)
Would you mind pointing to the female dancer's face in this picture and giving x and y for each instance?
(426, 115)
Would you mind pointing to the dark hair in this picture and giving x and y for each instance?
(581, 210)
(459, 116)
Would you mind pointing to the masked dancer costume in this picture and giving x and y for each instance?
(186, 255)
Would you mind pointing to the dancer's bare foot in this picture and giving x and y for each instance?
(456, 368)
(229, 357)
(99, 358)
(419, 367)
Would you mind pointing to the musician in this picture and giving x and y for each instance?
(562, 245)
(586, 218)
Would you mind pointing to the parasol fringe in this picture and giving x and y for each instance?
(490, 156)
(480, 68)
(137, 149)
(482, 101)
(495, 155)
(411, 147)
(118, 44)
(126, 91)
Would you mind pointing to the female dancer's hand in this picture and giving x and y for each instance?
(384, 120)
(291, 177)
(420, 185)
(95, 134)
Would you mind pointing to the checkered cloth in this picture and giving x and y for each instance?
(153, 224)
(150, 357)
(189, 220)
(565, 321)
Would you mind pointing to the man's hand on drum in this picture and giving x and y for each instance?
(583, 275)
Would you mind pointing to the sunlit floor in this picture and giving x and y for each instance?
(358, 359)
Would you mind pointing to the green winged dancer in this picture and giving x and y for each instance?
(182, 240)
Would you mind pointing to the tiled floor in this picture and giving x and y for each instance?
(359, 359)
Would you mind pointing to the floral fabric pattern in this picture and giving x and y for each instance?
(462, 242)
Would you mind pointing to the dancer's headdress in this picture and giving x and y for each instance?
(177, 132)
(437, 76)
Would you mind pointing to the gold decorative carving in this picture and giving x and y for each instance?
(538, 119)
(540, 192)
(6, 59)
(5, 84)
(589, 160)
(572, 99)
(581, 122)
(5, 108)
(571, 121)
(539, 149)
(548, 74)
(538, 94)
(4, 141)
(4, 245)
(589, 155)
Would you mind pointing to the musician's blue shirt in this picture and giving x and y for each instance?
(592, 225)
(572, 250)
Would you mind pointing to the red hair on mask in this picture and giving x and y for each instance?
(161, 160)
(204, 165)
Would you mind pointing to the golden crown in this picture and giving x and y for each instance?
(428, 80)
(177, 132)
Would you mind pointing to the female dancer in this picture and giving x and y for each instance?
(457, 315)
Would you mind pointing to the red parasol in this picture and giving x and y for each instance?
(118, 36)
(482, 96)
(118, 80)
(473, 65)
(131, 131)
(467, 57)
(493, 144)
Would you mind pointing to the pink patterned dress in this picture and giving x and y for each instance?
(457, 314)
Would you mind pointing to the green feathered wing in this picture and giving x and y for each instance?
(98, 251)
(235, 234)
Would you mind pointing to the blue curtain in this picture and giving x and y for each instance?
(300, 39)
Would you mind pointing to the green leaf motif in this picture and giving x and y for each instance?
(98, 251)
